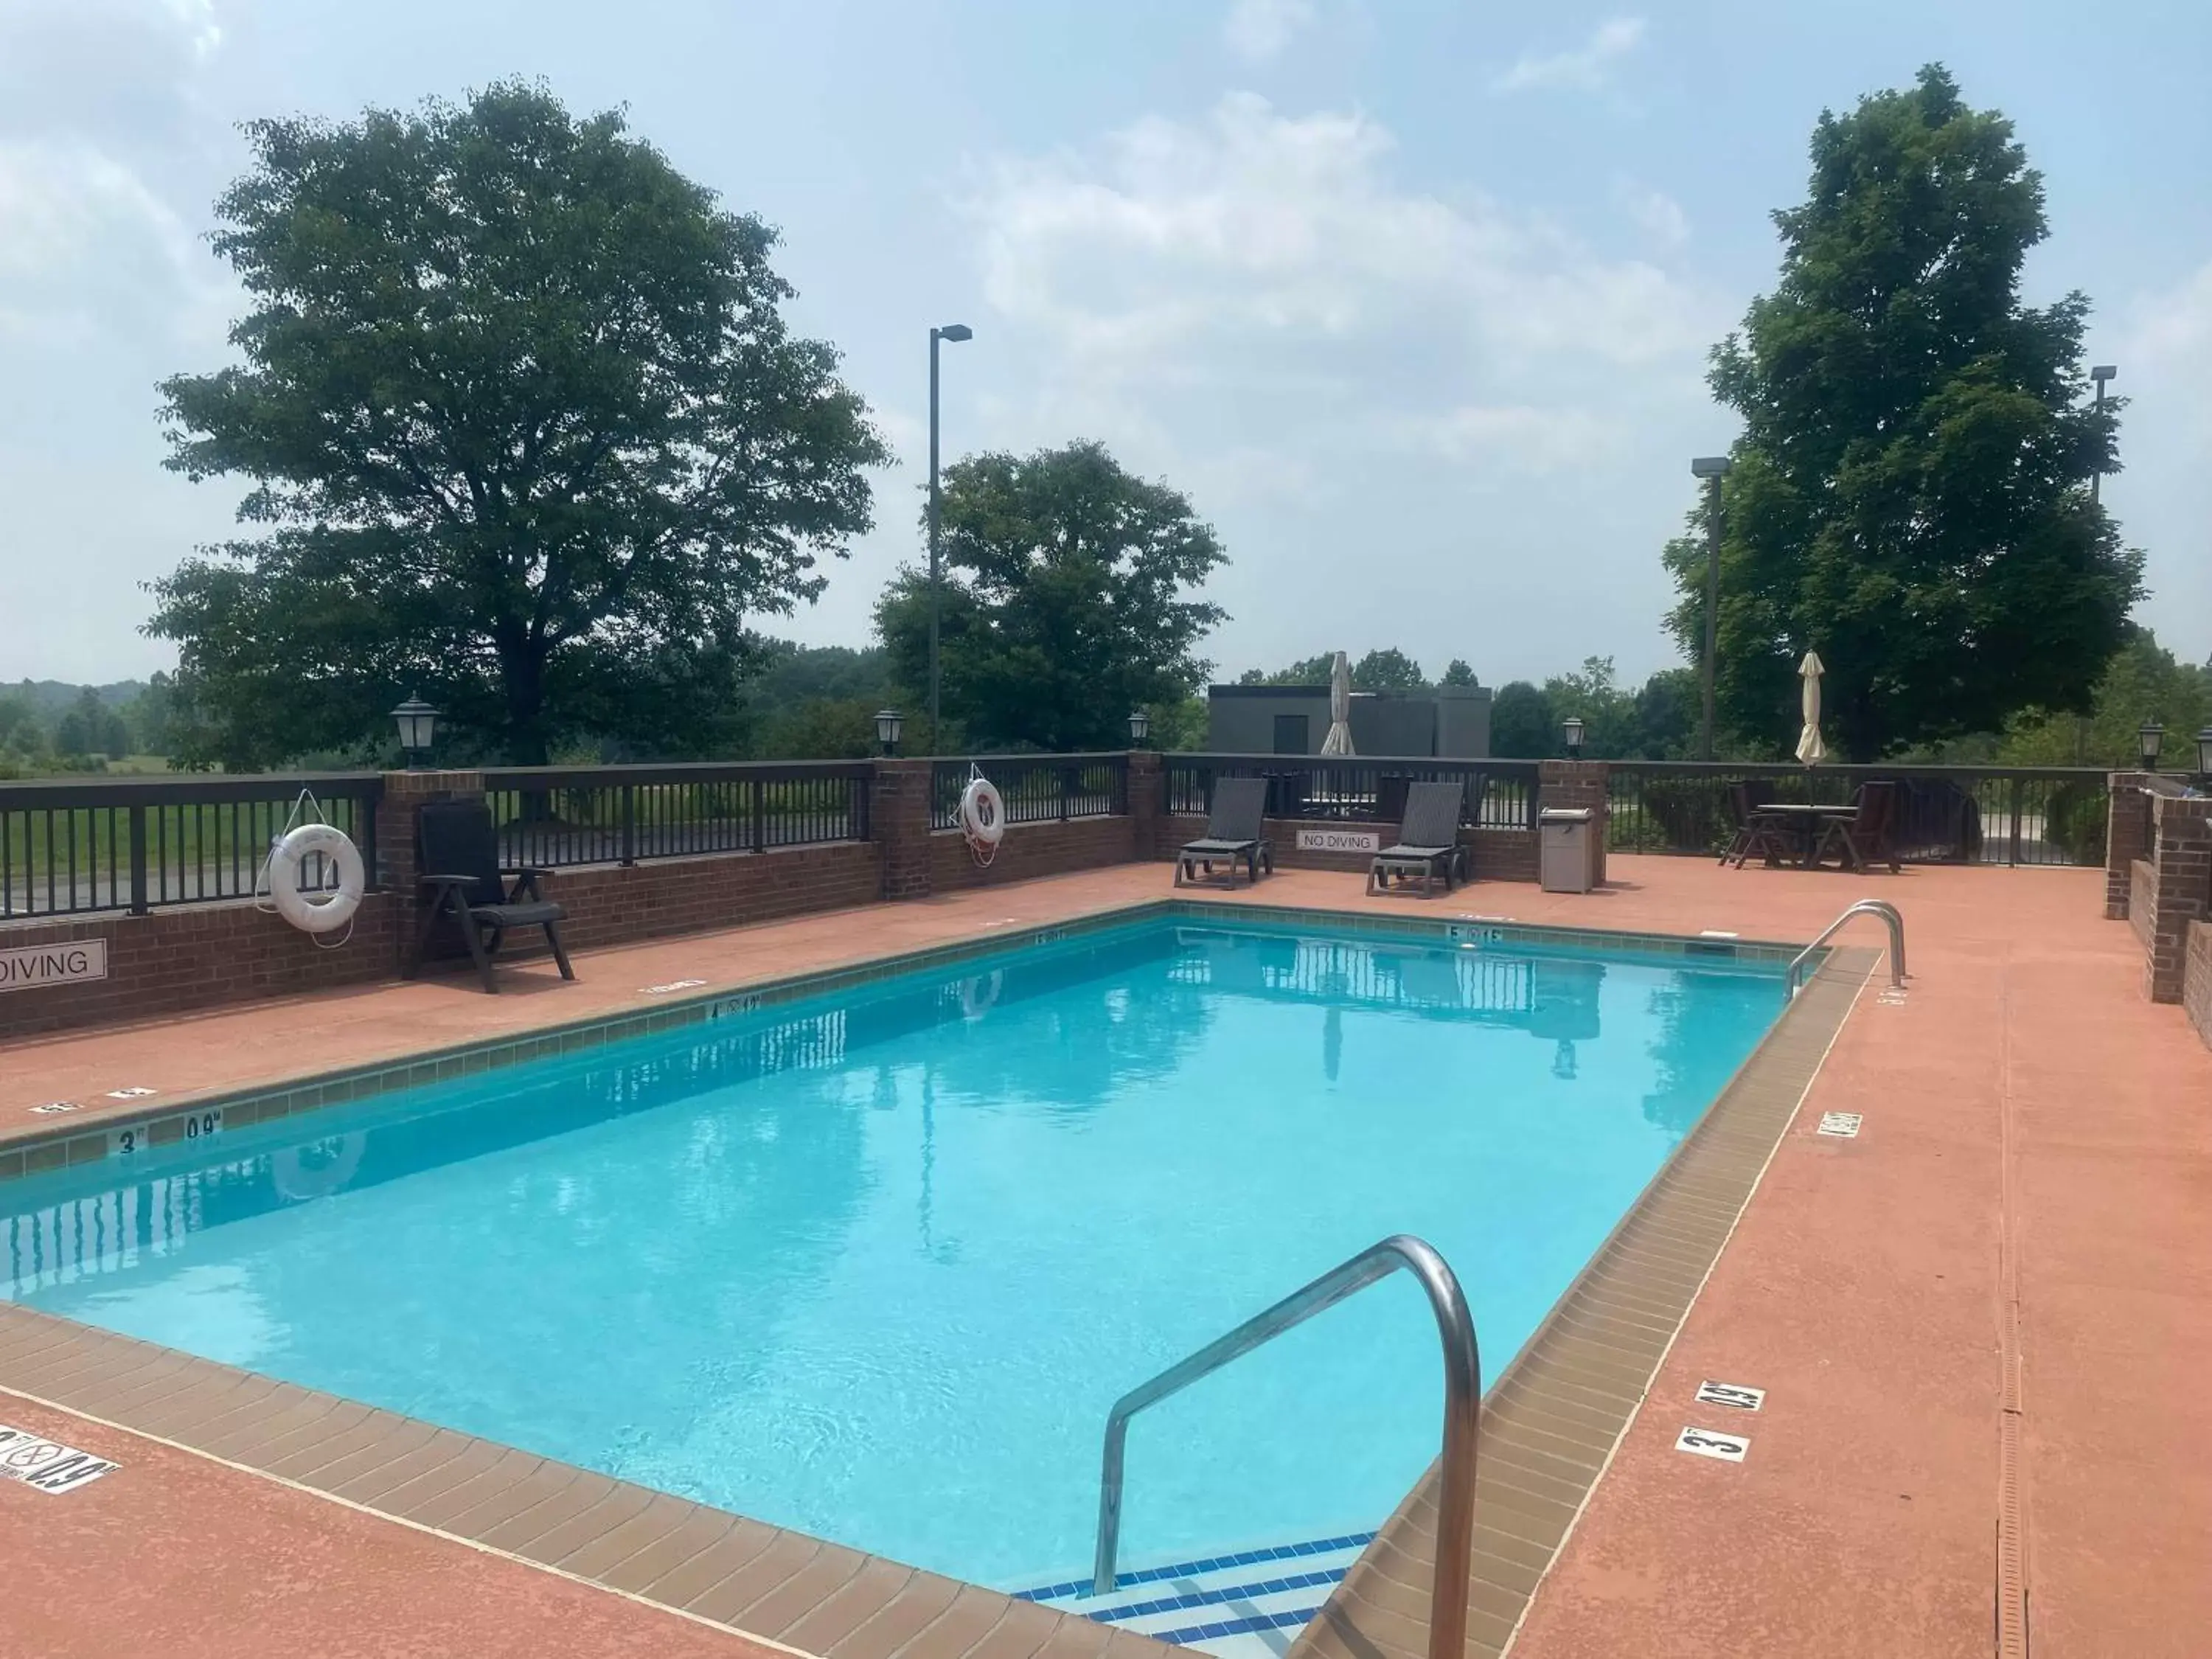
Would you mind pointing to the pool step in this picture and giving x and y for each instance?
(1243, 1604)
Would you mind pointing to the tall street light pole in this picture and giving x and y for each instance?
(2101, 374)
(955, 332)
(1712, 469)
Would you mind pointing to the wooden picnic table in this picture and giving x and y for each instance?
(1803, 824)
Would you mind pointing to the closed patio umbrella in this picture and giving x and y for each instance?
(1810, 749)
(1338, 740)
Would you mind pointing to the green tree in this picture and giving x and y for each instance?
(524, 427)
(1520, 723)
(2144, 682)
(1388, 670)
(1910, 494)
(1307, 671)
(1069, 599)
(1460, 671)
(91, 727)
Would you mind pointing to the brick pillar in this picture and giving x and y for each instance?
(1573, 784)
(2127, 829)
(1147, 801)
(898, 817)
(2182, 857)
(405, 794)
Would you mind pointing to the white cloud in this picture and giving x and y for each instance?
(1252, 304)
(1657, 215)
(1256, 30)
(2163, 499)
(1585, 68)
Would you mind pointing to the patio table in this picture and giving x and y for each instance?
(1802, 824)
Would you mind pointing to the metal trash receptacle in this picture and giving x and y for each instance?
(1567, 857)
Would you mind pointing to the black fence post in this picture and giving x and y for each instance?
(627, 810)
(760, 815)
(2016, 821)
(1067, 776)
(139, 901)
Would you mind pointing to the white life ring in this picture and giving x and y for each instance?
(300, 1180)
(317, 909)
(979, 993)
(982, 813)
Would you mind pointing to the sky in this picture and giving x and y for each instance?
(1412, 298)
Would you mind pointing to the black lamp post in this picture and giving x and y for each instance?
(1712, 469)
(889, 723)
(2151, 736)
(1572, 725)
(955, 332)
(1140, 727)
(2204, 755)
(419, 728)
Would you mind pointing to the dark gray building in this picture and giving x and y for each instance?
(1452, 722)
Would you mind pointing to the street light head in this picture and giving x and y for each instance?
(2103, 372)
(1710, 467)
(955, 332)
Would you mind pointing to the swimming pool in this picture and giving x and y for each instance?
(874, 1264)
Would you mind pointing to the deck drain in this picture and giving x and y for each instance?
(1730, 1393)
(672, 985)
(1843, 1125)
(1717, 933)
(46, 1465)
(131, 1093)
(56, 1108)
(1711, 1442)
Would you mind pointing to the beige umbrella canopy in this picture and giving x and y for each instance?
(1810, 749)
(1338, 740)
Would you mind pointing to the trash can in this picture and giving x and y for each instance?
(1567, 849)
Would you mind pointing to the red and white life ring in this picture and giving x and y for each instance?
(983, 817)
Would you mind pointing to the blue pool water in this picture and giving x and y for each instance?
(875, 1265)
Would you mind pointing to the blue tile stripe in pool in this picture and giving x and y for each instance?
(1190, 1569)
(1235, 1588)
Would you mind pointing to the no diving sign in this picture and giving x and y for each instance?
(45, 1465)
(72, 961)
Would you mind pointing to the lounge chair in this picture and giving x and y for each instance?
(458, 853)
(1756, 829)
(1235, 833)
(1863, 837)
(1428, 840)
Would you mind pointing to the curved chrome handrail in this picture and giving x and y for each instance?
(1462, 1406)
(1890, 916)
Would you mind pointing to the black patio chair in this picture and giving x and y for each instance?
(1757, 831)
(1235, 833)
(457, 850)
(1428, 840)
(1862, 838)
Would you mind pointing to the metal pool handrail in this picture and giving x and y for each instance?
(1881, 907)
(1463, 1404)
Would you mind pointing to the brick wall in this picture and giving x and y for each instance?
(1032, 849)
(2181, 831)
(2197, 980)
(2127, 832)
(193, 955)
(618, 904)
(2141, 908)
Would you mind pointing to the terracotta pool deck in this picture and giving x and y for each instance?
(1997, 1301)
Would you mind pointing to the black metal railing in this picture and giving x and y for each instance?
(556, 816)
(2012, 815)
(76, 846)
(1501, 795)
(1036, 789)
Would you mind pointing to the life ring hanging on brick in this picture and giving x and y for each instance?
(983, 817)
(314, 904)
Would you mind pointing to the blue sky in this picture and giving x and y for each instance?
(1412, 298)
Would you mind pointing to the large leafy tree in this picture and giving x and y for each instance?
(1910, 494)
(1070, 599)
(522, 428)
